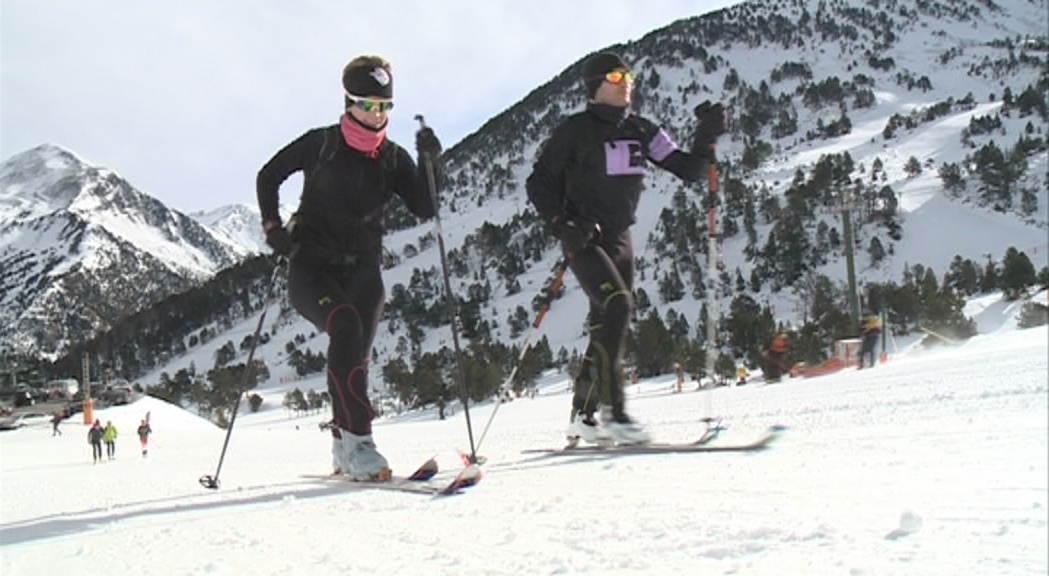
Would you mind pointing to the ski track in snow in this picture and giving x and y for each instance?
(934, 463)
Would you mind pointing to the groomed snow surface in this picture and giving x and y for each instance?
(932, 463)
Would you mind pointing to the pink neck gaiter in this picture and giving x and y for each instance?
(360, 137)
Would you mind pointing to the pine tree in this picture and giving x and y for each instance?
(994, 184)
(876, 251)
(1017, 273)
(654, 352)
(963, 276)
(913, 167)
(671, 289)
(951, 177)
(989, 279)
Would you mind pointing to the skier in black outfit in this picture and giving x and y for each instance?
(94, 438)
(586, 185)
(351, 172)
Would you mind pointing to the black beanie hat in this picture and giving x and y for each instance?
(597, 66)
(368, 77)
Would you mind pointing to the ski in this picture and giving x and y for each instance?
(469, 476)
(395, 484)
(701, 445)
(419, 482)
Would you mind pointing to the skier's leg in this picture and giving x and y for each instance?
(347, 301)
(351, 324)
(602, 279)
(582, 424)
(584, 398)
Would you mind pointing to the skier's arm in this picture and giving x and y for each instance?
(296, 156)
(692, 165)
(546, 183)
(689, 166)
(412, 183)
(664, 152)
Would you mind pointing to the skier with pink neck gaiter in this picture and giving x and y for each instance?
(351, 171)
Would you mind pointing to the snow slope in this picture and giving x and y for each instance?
(934, 463)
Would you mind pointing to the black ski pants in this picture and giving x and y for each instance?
(344, 296)
(870, 342)
(605, 271)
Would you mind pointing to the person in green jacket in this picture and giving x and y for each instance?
(109, 437)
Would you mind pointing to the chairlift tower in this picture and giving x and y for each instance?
(850, 260)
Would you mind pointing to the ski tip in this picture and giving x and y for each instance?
(470, 476)
(472, 473)
(469, 460)
(428, 470)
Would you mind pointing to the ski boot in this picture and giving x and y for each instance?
(622, 429)
(586, 428)
(357, 457)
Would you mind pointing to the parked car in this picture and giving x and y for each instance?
(117, 395)
(23, 419)
(22, 398)
(26, 395)
(62, 389)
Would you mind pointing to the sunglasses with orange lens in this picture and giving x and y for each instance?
(617, 76)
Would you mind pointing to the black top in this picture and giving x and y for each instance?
(345, 194)
(593, 166)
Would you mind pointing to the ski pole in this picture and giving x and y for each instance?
(555, 286)
(452, 308)
(712, 259)
(212, 482)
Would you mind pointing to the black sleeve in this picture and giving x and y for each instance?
(688, 166)
(301, 153)
(546, 183)
(664, 152)
(412, 183)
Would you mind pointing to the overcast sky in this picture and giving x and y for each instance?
(188, 99)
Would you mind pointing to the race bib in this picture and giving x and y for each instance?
(624, 157)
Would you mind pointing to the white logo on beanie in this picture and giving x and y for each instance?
(380, 75)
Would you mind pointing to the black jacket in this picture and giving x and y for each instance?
(593, 166)
(345, 193)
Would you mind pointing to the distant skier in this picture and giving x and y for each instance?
(870, 330)
(109, 436)
(56, 419)
(351, 173)
(94, 438)
(586, 185)
(143, 435)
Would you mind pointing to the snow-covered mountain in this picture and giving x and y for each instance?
(81, 247)
(238, 222)
(882, 81)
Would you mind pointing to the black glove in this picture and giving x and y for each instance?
(426, 144)
(711, 125)
(279, 239)
(576, 233)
